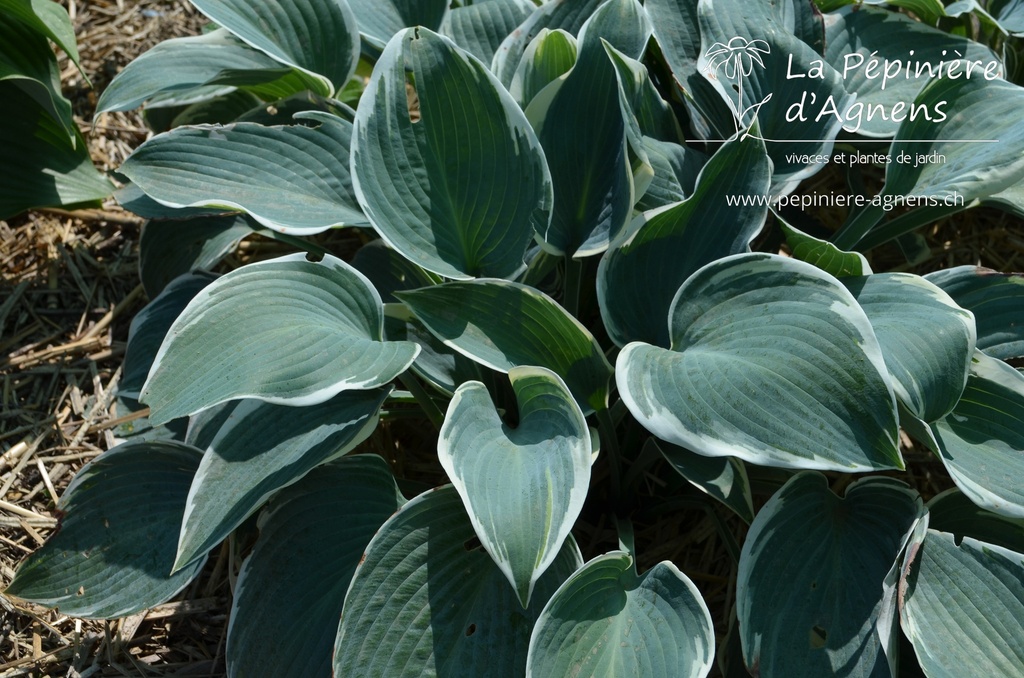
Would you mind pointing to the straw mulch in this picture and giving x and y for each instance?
(69, 288)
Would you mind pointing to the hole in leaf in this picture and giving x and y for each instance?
(472, 544)
(818, 637)
(470, 630)
(315, 257)
(412, 98)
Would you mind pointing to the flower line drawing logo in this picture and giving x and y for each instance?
(738, 56)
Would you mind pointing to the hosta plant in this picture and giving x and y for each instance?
(45, 162)
(573, 265)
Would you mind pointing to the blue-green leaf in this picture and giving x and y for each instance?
(772, 361)
(638, 277)
(170, 249)
(50, 169)
(286, 331)
(312, 536)
(961, 607)
(724, 478)
(833, 613)
(584, 136)
(997, 302)
(753, 55)
(292, 179)
(150, 326)
(504, 325)
(381, 20)
(981, 441)
(112, 555)
(607, 621)
(481, 27)
(927, 340)
(461, 191)
(565, 16)
(183, 64)
(523, 487)
(260, 449)
(426, 601)
(316, 36)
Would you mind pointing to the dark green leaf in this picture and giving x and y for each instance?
(112, 554)
(312, 536)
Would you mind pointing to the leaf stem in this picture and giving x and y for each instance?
(430, 408)
(573, 282)
(854, 230)
(608, 440)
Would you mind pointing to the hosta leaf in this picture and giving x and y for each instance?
(28, 61)
(756, 57)
(676, 29)
(504, 325)
(607, 621)
(50, 171)
(997, 302)
(565, 16)
(389, 271)
(523, 487)
(678, 34)
(928, 11)
(676, 169)
(132, 198)
(858, 37)
(169, 249)
(220, 110)
(1009, 14)
(139, 428)
(262, 448)
(638, 278)
(426, 602)
(977, 110)
(548, 57)
(481, 27)
(772, 361)
(640, 99)
(285, 331)
(48, 18)
(312, 536)
(737, 38)
(182, 64)
(437, 364)
(979, 153)
(824, 254)
(150, 326)
(833, 612)
(953, 511)
(962, 608)
(981, 442)
(724, 478)
(292, 179)
(316, 36)
(380, 20)
(927, 340)
(461, 191)
(112, 554)
(584, 136)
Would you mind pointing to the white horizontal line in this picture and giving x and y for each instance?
(869, 141)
